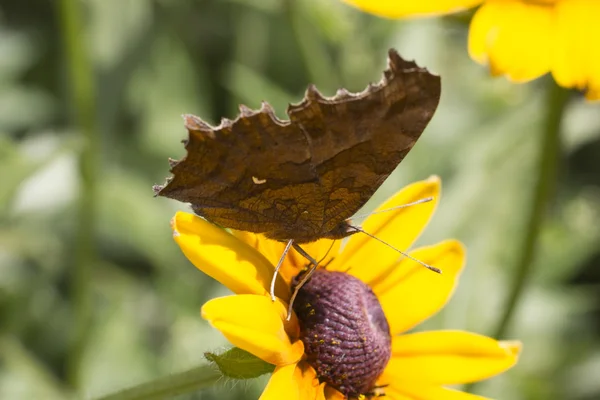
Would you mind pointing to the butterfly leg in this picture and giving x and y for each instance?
(305, 278)
(285, 251)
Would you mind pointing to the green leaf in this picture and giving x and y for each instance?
(239, 364)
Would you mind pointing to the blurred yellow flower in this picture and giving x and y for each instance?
(420, 364)
(522, 39)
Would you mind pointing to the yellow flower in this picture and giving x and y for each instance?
(522, 39)
(420, 364)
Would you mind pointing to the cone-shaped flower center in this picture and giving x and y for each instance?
(344, 330)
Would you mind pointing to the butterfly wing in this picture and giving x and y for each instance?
(252, 174)
(300, 179)
(357, 140)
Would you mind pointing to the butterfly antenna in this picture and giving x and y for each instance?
(285, 251)
(414, 203)
(434, 269)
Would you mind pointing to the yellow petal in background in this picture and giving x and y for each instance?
(222, 256)
(411, 8)
(447, 358)
(514, 37)
(576, 59)
(420, 392)
(412, 293)
(256, 324)
(399, 228)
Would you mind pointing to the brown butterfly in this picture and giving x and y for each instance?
(300, 180)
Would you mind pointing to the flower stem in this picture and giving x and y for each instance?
(169, 386)
(81, 81)
(549, 152)
(317, 62)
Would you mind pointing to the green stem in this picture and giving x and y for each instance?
(169, 386)
(20, 361)
(316, 60)
(81, 81)
(549, 152)
(545, 179)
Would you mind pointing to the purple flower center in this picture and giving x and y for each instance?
(345, 333)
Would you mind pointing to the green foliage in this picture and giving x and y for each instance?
(236, 363)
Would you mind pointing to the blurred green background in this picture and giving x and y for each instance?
(94, 294)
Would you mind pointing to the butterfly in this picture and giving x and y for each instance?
(300, 180)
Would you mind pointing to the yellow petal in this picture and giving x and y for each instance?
(225, 258)
(421, 392)
(271, 249)
(362, 256)
(308, 383)
(256, 324)
(282, 384)
(333, 394)
(576, 61)
(514, 37)
(321, 392)
(411, 293)
(447, 358)
(408, 8)
(323, 251)
(295, 382)
(593, 93)
(250, 238)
